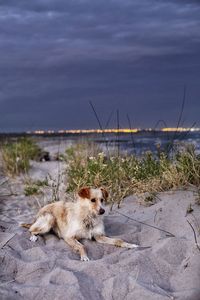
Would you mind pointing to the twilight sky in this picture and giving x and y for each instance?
(131, 55)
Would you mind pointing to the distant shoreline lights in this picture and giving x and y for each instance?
(112, 130)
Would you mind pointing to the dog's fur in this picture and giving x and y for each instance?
(76, 220)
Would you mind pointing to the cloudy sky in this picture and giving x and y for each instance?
(131, 55)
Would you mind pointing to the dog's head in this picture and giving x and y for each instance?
(93, 199)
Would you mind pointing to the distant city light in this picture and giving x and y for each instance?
(180, 129)
(111, 130)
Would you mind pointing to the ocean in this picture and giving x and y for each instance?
(143, 141)
(137, 143)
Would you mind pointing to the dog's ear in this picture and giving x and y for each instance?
(104, 193)
(84, 192)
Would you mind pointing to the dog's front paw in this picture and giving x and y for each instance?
(84, 258)
(33, 238)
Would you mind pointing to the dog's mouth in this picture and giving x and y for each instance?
(101, 211)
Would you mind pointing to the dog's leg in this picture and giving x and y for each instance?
(42, 225)
(77, 247)
(115, 242)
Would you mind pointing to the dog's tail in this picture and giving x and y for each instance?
(26, 225)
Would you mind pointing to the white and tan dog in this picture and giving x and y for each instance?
(73, 221)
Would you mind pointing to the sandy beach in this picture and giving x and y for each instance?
(48, 269)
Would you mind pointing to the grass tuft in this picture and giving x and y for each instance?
(16, 156)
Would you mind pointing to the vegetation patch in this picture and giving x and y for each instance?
(16, 155)
(124, 175)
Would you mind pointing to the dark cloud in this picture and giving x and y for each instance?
(56, 55)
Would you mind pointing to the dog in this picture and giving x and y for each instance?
(73, 221)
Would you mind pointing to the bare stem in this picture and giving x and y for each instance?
(195, 236)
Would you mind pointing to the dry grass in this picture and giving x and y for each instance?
(16, 156)
(126, 175)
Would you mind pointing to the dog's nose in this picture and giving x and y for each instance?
(101, 211)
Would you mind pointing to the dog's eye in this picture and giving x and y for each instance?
(101, 200)
(93, 200)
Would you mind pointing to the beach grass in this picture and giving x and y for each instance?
(124, 175)
(16, 155)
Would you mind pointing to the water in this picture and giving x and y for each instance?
(148, 141)
(137, 143)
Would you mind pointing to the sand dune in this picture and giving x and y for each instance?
(48, 269)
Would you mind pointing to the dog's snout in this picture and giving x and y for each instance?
(101, 211)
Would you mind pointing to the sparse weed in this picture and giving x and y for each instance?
(42, 183)
(30, 190)
(35, 187)
(197, 196)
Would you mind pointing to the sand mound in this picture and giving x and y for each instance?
(48, 269)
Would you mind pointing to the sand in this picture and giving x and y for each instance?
(48, 269)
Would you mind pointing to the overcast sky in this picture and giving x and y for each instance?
(131, 55)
